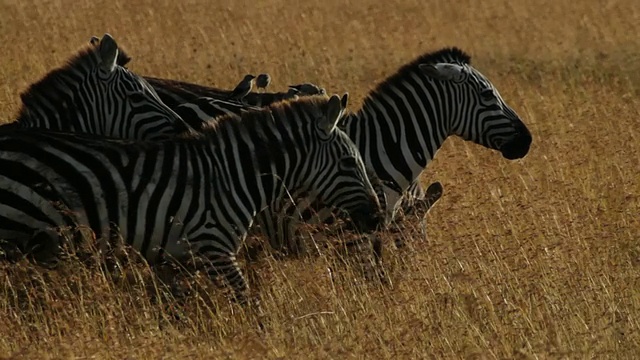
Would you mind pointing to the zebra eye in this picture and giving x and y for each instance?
(348, 163)
(487, 94)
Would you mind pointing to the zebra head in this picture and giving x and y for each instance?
(93, 94)
(482, 116)
(341, 179)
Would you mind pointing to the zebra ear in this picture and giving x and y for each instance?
(123, 58)
(443, 71)
(332, 115)
(94, 41)
(345, 100)
(108, 53)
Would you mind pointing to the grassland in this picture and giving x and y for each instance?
(537, 258)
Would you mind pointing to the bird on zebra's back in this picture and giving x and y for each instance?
(242, 89)
(193, 197)
(262, 81)
(92, 94)
(292, 94)
(308, 89)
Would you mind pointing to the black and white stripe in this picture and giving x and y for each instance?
(93, 94)
(194, 195)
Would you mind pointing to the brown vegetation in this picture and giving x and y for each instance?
(537, 258)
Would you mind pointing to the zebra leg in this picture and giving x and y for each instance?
(282, 229)
(366, 251)
(421, 205)
(376, 247)
(270, 226)
(225, 265)
(416, 202)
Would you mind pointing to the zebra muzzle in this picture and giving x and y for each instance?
(367, 219)
(518, 146)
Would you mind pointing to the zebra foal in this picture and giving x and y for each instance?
(191, 197)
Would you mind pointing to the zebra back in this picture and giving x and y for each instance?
(200, 110)
(175, 92)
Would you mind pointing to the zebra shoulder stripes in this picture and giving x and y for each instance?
(195, 195)
(93, 94)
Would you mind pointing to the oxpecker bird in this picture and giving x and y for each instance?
(262, 81)
(291, 94)
(308, 89)
(243, 88)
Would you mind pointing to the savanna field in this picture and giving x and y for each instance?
(530, 259)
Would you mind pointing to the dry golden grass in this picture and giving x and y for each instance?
(537, 258)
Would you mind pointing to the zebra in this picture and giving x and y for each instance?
(93, 94)
(407, 118)
(191, 197)
(206, 110)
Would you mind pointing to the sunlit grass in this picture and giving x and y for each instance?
(537, 258)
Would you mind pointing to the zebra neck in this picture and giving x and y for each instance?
(261, 169)
(399, 130)
(277, 181)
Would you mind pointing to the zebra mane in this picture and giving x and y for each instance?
(449, 55)
(49, 86)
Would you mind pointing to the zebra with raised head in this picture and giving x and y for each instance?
(193, 197)
(407, 118)
(93, 94)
